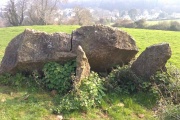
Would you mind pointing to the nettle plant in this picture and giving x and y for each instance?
(58, 77)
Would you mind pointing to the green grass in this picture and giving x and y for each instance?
(129, 107)
(145, 38)
(120, 107)
(39, 103)
(14, 106)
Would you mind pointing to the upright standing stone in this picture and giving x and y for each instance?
(151, 60)
(83, 67)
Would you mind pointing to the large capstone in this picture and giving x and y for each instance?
(31, 49)
(152, 60)
(105, 47)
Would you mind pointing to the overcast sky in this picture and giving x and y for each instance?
(164, 2)
(161, 1)
(2, 2)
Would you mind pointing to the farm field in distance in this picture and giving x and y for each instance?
(143, 37)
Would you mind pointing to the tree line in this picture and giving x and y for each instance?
(41, 12)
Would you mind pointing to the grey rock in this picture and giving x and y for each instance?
(105, 47)
(152, 60)
(83, 67)
(31, 49)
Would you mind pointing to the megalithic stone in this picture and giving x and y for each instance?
(82, 65)
(151, 60)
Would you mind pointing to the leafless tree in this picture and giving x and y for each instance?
(2, 22)
(83, 16)
(42, 12)
(133, 13)
(15, 11)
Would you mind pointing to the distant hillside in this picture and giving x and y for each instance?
(124, 5)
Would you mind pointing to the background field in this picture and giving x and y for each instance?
(144, 38)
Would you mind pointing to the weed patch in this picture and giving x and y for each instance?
(58, 77)
(84, 96)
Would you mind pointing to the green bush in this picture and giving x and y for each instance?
(84, 96)
(171, 113)
(130, 24)
(17, 80)
(58, 77)
(160, 26)
(164, 85)
(167, 84)
(123, 80)
(5, 79)
(124, 23)
(140, 23)
(174, 26)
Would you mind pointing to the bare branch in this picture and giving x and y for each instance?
(44, 12)
(15, 12)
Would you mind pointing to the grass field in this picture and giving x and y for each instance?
(145, 38)
(14, 106)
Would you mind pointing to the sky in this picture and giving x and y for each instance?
(2, 2)
(164, 2)
(161, 1)
(169, 1)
